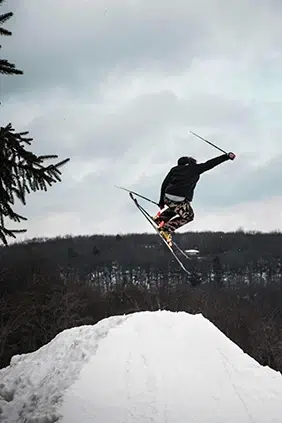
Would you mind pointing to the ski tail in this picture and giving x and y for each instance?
(152, 223)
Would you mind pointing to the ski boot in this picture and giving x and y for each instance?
(166, 234)
(157, 218)
(167, 237)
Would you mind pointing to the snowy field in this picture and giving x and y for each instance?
(157, 367)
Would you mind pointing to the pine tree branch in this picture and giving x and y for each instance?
(21, 172)
(5, 17)
(8, 68)
(4, 233)
(4, 31)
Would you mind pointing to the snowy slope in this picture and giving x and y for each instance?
(152, 367)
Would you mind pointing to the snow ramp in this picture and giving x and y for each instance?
(147, 367)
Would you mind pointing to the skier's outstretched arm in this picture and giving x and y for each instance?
(210, 164)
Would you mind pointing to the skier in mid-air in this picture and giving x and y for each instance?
(177, 192)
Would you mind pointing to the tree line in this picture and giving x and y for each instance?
(49, 285)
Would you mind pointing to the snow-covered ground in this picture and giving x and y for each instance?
(157, 367)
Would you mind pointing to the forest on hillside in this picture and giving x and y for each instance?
(48, 285)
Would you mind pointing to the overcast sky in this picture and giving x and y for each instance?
(116, 85)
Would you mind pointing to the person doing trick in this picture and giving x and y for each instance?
(177, 191)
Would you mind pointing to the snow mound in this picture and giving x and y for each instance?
(33, 385)
(145, 367)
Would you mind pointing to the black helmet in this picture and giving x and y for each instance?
(186, 161)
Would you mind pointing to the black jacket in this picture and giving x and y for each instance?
(181, 180)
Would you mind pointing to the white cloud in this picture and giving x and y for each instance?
(115, 85)
(262, 216)
(123, 217)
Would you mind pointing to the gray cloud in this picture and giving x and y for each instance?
(94, 130)
(84, 40)
(116, 86)
(68, 43)
(241, 183)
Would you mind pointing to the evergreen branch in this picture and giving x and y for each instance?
(4, 31)
(4, 233)
(21, 172)
(5, 17)
(8, 68)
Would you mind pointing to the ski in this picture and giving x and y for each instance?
(186, 252)
(152, 223)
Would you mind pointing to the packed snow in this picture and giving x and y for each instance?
(157, 367)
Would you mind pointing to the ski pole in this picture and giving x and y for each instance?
(215, 146)
(139, 195)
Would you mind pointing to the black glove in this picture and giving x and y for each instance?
(231, 156)
(161, 204)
